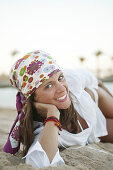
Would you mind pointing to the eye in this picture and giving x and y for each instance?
(48, 86)
(61, 77)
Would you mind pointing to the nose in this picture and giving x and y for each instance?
(60, 87)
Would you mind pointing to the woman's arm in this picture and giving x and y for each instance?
(100, 84)
(49, 136)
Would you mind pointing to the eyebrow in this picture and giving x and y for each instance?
(47, 83)
(51, 81)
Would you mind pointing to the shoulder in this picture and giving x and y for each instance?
(73, 76)
(78, 72)
(81, 77)
(73, 80)
(70, 74)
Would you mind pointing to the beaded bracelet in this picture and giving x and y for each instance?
(54, 119)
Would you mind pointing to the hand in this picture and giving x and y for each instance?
(46, 110)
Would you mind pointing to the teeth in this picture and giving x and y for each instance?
(61, 98)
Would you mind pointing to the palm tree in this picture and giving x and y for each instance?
(13, 53)
(81, 59)
(98, 54)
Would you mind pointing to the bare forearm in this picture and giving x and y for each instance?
(49, 136)
(49, 139)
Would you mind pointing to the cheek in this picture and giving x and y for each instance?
(65, 85)
(45, 98)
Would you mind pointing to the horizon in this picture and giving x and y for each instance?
(66, 29)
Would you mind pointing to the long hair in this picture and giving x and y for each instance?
(26, 126)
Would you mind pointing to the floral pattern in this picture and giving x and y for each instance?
(22, 71)
(15, 133)
(33, 67)
(18, 63)
(30, 79)
(52, 73)
(47, 69)
(26, 56)
(14, 76)
(25, 78)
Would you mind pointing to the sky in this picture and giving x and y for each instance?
(67, 29)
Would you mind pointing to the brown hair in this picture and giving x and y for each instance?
(26, 126)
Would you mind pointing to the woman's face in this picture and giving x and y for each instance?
(54, 91)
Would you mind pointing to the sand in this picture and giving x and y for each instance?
(95, 156)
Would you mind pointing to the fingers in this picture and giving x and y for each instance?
(46, 109)
(37, 105)
(40, 106)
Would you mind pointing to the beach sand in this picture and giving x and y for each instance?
(91, 157)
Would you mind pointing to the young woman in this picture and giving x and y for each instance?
(56, 108)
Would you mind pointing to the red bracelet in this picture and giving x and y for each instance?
(54, 119)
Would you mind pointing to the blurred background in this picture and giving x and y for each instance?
(77, 33)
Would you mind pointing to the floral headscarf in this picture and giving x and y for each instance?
(27, 74)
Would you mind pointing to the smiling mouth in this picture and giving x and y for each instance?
(63, 98)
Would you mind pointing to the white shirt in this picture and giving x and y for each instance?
(77, 80)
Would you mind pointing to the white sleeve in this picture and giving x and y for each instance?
(37, 157)
(87, 78)
(79, 79)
